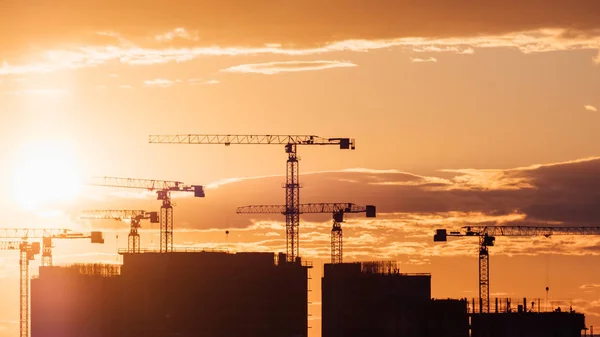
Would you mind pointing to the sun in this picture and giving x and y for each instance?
(45, 173)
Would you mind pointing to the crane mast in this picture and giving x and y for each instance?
(337, 209)
(27, 252)
(487, 236)
(163, 190)
(133, 241)
(292, 184)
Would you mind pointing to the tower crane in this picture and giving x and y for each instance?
(337, 209)
(27, 252)
(487, 236)
(136, 216)
(292, 184)
(163, 190)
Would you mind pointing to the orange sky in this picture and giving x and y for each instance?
(452, 104)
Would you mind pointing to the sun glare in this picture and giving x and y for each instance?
(45, 173)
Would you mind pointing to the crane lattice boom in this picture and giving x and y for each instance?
(250, 139)
(526, 230)
(10, 245)
(337, 209)
(304, 208)
(146, 184)
(114, 214)
(18, 233)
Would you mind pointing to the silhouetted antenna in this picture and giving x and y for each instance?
(117, 240)
(227, 240)
(151, 234)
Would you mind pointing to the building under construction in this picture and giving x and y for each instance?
(173, 294)
(530, 324)
(525, 320)
(375, 299)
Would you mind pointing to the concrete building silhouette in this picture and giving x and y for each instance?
(173, 294)
(375, 299)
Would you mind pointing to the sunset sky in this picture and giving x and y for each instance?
(463, 112)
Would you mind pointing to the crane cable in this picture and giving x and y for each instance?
(547, 260)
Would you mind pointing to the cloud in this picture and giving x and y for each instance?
(590, 108)
(271, 68)
(40, 92)
(391, 239)
(444, 49)
(597, 58)
(176, 33)
(409, 209)
(118, 49)
(180, 31)
(159, 82)
(197, 81)
(8, 69)
(307, 23)
(589, 286)
(421, 60)
(165, 83)
(557, 193)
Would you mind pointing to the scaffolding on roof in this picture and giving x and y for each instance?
(94, 269)
(379, 267)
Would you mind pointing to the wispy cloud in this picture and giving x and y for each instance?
(271, 68)
(128, 52)
(422, 60)
(410, 207)
(165, 83)
(198, 81)
(40, 92)
(10, 69)
(159, 82)
(590, 108)
(402, 237)
(444, 49)
(176, 33)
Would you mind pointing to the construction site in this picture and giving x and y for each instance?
(177, 291)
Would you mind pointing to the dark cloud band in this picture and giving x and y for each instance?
(292, 23)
